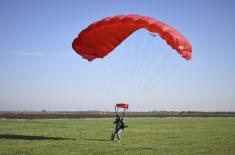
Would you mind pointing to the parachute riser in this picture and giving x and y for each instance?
(123, 113)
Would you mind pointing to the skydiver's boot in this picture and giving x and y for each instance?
(119, 137)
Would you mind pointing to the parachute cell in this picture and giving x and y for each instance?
(101, 37)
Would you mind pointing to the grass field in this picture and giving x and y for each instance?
(144, 136)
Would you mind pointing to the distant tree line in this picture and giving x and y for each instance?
(100, 114)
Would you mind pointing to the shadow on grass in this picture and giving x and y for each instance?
(27, 137)
(148, 149)
(97, 139)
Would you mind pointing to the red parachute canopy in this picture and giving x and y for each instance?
(101, 37)
(122, 105)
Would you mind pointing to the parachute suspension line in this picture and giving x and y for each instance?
(161, 68)
(147, 65)
(118, 75)
(167, 65)
(111, 80)
(124, 107)
(105, 82)
(124, 70)
(102, 83)
(144, 68)
(138, 62)
(124, 113)
(116, 110)
(114, 78)
(133, 64)
(151, 75)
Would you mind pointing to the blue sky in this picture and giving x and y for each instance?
(39, 69)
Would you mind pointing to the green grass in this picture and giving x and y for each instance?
(144, 136)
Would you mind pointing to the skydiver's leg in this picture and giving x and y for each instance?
(119, 137)
(114, 134)
(118, 134)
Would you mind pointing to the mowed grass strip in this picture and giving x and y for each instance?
(144, 136)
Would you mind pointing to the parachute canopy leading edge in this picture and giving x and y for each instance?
(102, 37)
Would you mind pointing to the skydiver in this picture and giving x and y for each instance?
(120, 125)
